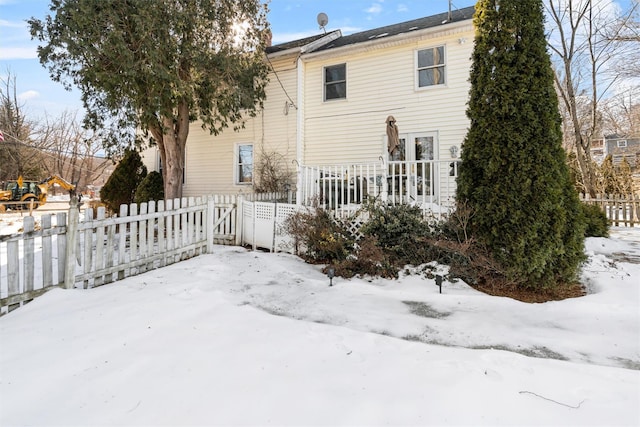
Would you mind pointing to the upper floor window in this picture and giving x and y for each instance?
(335, 82)
(622, 143)
(431, 66)
(244, 164)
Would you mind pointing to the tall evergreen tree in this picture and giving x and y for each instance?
(514, 173)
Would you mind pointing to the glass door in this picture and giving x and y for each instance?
(411, 174)
(421, 179)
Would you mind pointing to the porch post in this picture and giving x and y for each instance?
(299, 127)
(384, 195)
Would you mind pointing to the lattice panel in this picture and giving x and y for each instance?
(285, 211)
(352, 225)
(265, 211)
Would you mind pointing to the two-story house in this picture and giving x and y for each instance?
(623, 148)
(333, 104)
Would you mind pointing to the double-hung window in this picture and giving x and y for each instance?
(335, 82)
(244, 164)
(431, 67)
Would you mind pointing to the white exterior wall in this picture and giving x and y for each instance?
(381, 81)
(210, 160)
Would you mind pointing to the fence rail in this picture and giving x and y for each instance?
(19, 284)
(98, 250)
(620, 209)
(64, 251)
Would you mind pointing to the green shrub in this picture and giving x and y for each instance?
(400, 231)
(121, 186)
(151, 188)
(597, 222)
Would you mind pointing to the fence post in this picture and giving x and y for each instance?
(240, 219)
(209, 223)
(70, 254)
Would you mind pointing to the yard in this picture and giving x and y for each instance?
(251, 338)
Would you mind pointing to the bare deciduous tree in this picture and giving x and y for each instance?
(621, 113)
(627, 31)
(19, 152)
(585, 40)
(72, 151)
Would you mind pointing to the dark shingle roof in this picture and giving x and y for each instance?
(403, 27)
(378, 33)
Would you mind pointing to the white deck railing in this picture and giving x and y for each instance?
(429, 184)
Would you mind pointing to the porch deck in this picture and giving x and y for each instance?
(429, 184)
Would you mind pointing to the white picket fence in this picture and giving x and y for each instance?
(96, 251)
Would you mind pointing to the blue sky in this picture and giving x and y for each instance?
(290, 20)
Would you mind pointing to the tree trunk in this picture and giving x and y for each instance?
(586, 165)
(171, 137)
(583, 146)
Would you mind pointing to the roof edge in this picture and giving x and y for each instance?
(454, 27)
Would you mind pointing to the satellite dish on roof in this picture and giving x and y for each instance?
(323, 20)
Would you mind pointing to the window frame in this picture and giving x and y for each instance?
(325, 83)
(443, 65)
(237, 163)
(622, 143)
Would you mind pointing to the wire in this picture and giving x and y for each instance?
(281, 85)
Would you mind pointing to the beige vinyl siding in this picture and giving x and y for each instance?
(211, 161)
(382, 82)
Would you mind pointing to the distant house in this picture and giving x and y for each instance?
(623, 148)
(325, 117)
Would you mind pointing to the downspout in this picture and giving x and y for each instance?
(299, 128)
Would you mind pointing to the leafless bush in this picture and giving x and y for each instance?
(272, 173)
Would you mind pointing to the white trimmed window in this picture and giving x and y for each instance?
(622, 143)
(430, 66)
(244, 164)
(335, 82)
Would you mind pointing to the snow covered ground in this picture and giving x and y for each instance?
(251, 338)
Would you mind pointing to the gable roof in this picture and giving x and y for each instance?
(401, 28)
(377, 33)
